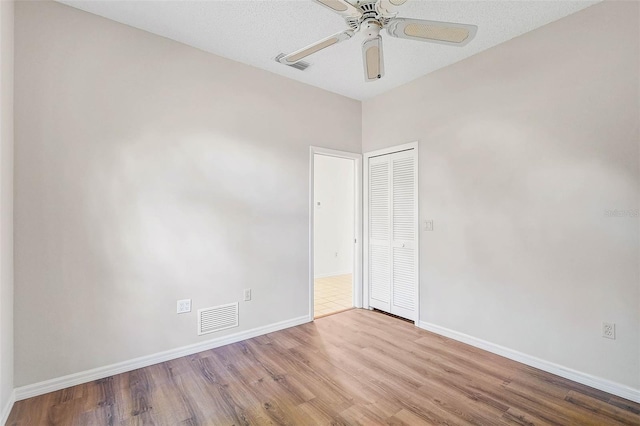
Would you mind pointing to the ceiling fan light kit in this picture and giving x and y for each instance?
(368, 18)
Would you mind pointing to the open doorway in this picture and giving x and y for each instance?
(335, 235)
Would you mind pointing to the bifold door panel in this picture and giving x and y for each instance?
(392, 233)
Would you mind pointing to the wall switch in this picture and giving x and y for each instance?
(428, 225)
(184, 306)
(247, 294)
(609, 330)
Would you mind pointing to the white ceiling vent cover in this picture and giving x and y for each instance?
(217, 318)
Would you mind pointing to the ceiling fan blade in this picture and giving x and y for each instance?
(387, 7)
(432, 31)
(300, 54)
(373, 59)
(342, 7)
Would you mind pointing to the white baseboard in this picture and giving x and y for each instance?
(614, 388)
(6, 410)
(52, 385)
(331, 274)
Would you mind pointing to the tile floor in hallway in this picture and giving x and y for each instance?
(332, 294)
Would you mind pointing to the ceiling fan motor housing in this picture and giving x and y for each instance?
(371, 29)
(370, 11)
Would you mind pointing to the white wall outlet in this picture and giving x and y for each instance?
(336, 254)
(428, 225)
(609, 330)
(247, 294)
(184, 306)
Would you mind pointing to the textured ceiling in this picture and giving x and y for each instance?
(255, 31)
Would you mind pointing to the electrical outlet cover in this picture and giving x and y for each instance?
(609, 330)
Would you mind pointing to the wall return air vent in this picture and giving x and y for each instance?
(217, 318)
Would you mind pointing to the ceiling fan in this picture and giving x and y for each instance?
(368, 18)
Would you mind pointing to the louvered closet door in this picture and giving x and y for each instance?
(380, 233)
(392, 233)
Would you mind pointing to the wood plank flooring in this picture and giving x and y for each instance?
(356, 367)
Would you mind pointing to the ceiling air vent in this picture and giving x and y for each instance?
(300, 65)
(217, 318)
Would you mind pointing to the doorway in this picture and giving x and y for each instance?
(335, 231)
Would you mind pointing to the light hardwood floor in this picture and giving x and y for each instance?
(356, 367)
(332, 294)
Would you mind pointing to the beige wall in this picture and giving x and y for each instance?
(146, 172)
(6, 202)
(522, 149)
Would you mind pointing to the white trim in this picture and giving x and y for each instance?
(6, 410)
(312, 209)
(391, 149)
(52, 385)
(357, 255)
(365, 231)
(334, 153)
(608, 386)
(357, 251)
(417, 225)
(365, 203)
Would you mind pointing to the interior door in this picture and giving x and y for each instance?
(392, 233)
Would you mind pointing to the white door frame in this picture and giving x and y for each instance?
(365, 204)
(357, 228)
